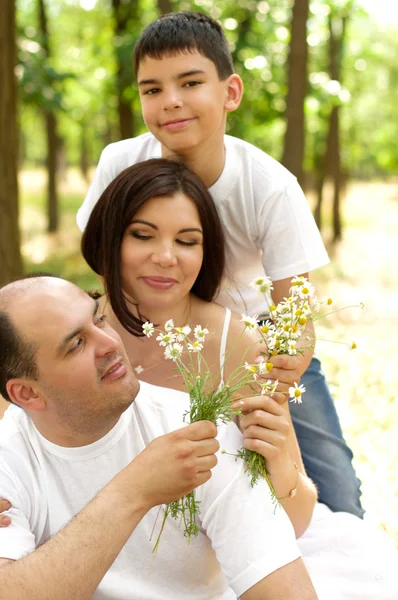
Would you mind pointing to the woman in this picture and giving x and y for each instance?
(156, 240)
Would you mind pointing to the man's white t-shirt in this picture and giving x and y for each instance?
(268, 225)
(243, 537)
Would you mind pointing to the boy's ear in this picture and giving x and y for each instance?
(22, 392)
(234, 92)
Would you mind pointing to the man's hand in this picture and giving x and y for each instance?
(5, 521)
(287, 370)
(172, 465)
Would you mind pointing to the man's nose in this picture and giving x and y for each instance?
(107, 343)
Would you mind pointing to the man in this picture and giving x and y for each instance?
(93, 452)
(187, 86)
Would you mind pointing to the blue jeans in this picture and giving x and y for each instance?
(326, 456)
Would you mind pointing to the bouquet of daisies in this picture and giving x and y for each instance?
(277, 335)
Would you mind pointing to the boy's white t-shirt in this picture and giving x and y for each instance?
(243, 537)
(268, 225)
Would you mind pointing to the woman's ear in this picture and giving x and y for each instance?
(22, 393)
(234, 92)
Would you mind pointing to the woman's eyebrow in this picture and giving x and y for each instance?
(187, 229)
(144, 223)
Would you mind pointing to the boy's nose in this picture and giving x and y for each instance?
(172, 101)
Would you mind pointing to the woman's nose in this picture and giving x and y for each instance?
(164, 256)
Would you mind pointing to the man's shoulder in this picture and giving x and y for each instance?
(257, 162)
(132, 150)
(14, 422)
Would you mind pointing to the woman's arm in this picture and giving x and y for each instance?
(268, 429)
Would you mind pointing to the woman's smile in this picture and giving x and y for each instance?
(159, 283)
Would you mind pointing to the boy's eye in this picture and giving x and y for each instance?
(151, 92)
(192, 83)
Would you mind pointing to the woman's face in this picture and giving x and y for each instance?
(162, 252)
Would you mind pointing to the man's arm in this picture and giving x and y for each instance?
(290, 582)
(75, 560)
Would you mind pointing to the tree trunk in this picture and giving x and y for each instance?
(165, 7)
(10, 254)
(52, 137)
(123, 13)
(293, 151)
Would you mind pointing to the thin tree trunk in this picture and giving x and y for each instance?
(293, 150)
(165, 7)
(10, 254)
(52, 137)
(123, 13)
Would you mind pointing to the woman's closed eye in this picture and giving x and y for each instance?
(140, 236)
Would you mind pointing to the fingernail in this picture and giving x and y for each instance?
(6, 520)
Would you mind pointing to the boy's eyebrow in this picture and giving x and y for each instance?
(185, 230)
(75, 332)
(179, 76)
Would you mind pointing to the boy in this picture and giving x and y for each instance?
(187, 86)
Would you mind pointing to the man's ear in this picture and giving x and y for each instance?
(234, 92)
(22, 392)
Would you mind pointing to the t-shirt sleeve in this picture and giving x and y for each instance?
(251, 536)
(287, 233)
(17, 539)
(105, 173)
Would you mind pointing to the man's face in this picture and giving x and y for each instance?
(183, 100)
(84, 373)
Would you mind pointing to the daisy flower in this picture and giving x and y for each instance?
(165, 339)
(295, 393)
(200, 333)
(148, 328)
(173, 351)
(262, 285)
(169, 325)
(250, 322)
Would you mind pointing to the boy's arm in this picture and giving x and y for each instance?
(291, 582)
(73, 562)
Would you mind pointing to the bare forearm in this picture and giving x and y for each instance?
(72, 564)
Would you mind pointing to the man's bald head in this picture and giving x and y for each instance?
(17, 351)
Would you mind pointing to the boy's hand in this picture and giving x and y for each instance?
(265, 428)
(172, 465)
(287, 370)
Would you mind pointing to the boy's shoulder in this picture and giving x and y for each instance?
(255, 159)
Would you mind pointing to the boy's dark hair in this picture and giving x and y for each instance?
(17, 356)
(185, 32)
(114, 211)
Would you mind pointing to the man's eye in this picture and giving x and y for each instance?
(100, 320)
(77, 344)
(151, 92)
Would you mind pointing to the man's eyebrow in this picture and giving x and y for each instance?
(75, 332)
(179, 76)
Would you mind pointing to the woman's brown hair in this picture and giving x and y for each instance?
(114, 211)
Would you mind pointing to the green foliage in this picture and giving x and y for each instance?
(80, 80)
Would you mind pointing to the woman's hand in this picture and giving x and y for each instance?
(5, 521)
(287, 370)
(265, 426)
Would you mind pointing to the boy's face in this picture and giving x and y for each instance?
(184, 103)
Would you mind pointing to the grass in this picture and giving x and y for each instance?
(363, 268)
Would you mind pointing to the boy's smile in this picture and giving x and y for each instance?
(184, 103)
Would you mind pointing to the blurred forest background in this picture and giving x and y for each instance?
(321, 80)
